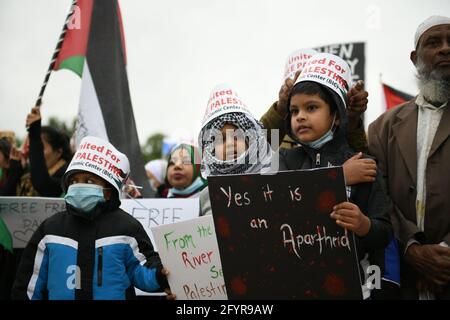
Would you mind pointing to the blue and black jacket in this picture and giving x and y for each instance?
(103, 255)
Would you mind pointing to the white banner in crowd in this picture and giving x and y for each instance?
(190, 252)
(296, 61)
(23, 215)
(155, 212)
(223, 99)
(329, 70)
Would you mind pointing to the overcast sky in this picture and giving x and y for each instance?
(179, 50)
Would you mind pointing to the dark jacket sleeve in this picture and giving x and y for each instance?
(273, 121)
(357, 139)
(14, 173)
(372, 200)
(45, 185)
(32, 274)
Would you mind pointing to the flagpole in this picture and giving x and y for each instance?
(55, 54)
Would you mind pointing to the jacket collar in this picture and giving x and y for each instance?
(405, 130)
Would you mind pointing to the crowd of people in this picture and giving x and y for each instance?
(395, 182)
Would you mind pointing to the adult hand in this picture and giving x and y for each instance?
(357, 104)
(283, 95)
(33, 116)
(432, 261)
(349, 216)
(357, 170)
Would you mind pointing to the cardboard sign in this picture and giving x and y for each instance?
(296, 61)
(328, 70)
(276, 237)
(223, 99)
(189, 251)
(155, 212)
(102, 159)
(23, 215)
(353, 53)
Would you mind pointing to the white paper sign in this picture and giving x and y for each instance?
(190, 252)
(296, 61)
(23, 215)
(223, 99)
(155, 212)
(329, 70)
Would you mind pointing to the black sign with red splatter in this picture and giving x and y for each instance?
(277, 239)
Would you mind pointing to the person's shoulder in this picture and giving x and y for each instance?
(54, 222)
(390, 115)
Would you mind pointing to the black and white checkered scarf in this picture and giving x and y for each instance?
(256, 158)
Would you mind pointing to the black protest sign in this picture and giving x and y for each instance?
(277, 239)
(353, 53)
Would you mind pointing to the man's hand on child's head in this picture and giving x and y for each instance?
(283, 95)
(357, 170)
(349, 216)
(357, 99)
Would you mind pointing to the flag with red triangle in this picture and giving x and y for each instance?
(94, 48)
(394, 97)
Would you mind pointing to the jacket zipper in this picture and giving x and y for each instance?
(100, 267)
(318, 159)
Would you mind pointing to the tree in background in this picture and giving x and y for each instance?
(62, 125)
(152, 149)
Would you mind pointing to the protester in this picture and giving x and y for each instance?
(93, 249)
(275, 115)
(233, 142)
(317, 119)
(412, 145)
(183, 178)
(49, 156)
(156, 173)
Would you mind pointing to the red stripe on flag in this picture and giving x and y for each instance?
(75, 40)
(392, 99)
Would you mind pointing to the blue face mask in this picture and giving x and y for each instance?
(328, 136)
(84, 196)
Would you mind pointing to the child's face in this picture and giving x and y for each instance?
(233, 143)
(310, 117)
(90, 178)
(180, 170)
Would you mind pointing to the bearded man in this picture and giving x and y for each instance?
(412, 145)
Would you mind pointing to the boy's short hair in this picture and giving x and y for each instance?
(311, 88)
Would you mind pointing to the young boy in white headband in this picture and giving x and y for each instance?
(93, 249)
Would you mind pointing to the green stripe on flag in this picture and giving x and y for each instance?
(74, 63)
(5, 236)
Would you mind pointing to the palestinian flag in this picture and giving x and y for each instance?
(93, 48)
(394, 97)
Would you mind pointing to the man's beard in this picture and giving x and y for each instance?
(434, 85)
